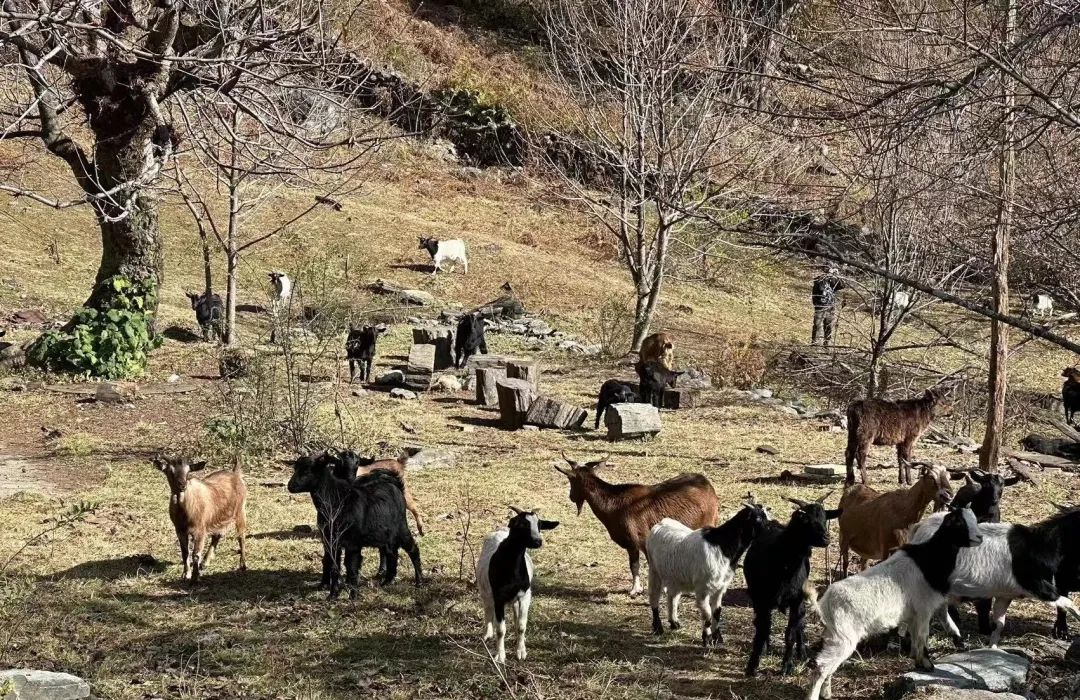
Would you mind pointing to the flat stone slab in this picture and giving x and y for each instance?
(995, 670)
(825, 469)
(25, 684)
(941, 692)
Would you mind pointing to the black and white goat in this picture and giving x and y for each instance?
(360, 349)
(902, 591)
(614, 391)
(469, 339)
(654, 378)
(504, 574)
(701, 561)
(1016, 561)
(777, 571)
(451, 251)
(982, 491)
(209, 312)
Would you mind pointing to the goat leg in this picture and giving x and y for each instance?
(352, 572)
(212, 551)
(185, 552)
(198, 543)
(635, 569)
(762, 625)
(791, 636)
(1061, 625)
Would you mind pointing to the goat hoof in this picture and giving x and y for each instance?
(959, 643)
(717, 639)
(1060, 633)
(674, 625)
(658, 630)
(787, 669)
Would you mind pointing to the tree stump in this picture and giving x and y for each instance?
(547, 412)
(681, 397)
(486, 377)
(486, 361)
(631, 420)
(442, 337)
(421, 367)
(515, 398)
(529, 370)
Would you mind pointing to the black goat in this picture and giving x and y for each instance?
(368, 512)
(360, 349)
(654, 378)
(1070, 393)
(777, 570)
(209, 311)
(469, 339)
(614, 391)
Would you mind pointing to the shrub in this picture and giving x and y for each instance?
(113, 343)
(612, 328)
(740, 364)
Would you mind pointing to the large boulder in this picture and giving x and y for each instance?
(942, 692)
(25, 684)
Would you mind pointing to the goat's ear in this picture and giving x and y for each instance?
(958, 476)
(549, 524)
(159, 464)
(833, 514)
(1013, 480)
(197, 466)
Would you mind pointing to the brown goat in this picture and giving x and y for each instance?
(900, 423)
(396, 466)
(658, 347)
(204, 506)
(873, 524)
(629, 511)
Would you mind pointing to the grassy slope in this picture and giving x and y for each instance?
(102, 599)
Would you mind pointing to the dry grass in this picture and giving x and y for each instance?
(102, 599)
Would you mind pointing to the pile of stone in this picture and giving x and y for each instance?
(536, 330)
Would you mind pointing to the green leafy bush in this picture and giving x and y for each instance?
(112, 343)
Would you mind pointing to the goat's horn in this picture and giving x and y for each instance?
(515, 509)
(823, 498)
(568, 460)
(1060, 507)
(799, 502)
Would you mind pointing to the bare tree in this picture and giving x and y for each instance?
(661, 114)
(97, 84)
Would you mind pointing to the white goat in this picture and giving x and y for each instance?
(702, 561)
(1042, 305)
(1013, 561)
(452, 251)
(902, 591)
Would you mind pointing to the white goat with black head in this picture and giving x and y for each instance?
(504, 574)
(902, 591)
(701, 561)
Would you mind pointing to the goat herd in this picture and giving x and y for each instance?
(961, 551)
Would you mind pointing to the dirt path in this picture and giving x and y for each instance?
(21, 474)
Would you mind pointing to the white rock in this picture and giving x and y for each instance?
(399, 393)
(25, 684)
(173, 378)
(825, 469)
(982, 669)
(447, 383)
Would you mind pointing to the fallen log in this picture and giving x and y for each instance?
(515, 398)
(547, 412)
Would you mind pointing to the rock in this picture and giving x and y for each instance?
(359, 391)
(442, 337)
(837, 470)
(789, 410)
(539, 328)
(486, 379)
(528, 370)
(515, 398)
(107, 392)
(940, 692)
(547, 412)
(416, 297)
(25, 684)
(399, 393)
(468, 383)
(447, 383)
(694, 379)
(631, 420)
(429, 458)
(531, 428)
(767, 450)
(421, 367)
(394, 377)
(173, 378)
(758, 394)
(681, 397)
(980, 669)
(414, 321)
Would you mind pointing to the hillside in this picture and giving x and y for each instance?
(102, 597)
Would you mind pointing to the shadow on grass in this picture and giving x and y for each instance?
(300, 532)
(251, 308)
(111, 569)
(478, 422)
(416, 267)
(182, 335)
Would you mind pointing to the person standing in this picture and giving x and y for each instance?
(823, 297)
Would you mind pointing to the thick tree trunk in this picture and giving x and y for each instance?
(130, 247)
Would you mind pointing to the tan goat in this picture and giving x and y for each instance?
(201, 507)
(658, 347)
(398, 467)
(874, 524)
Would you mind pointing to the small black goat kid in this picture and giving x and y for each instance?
(368, 512)
(777, 570)
(360, 349)
(469, 339)
(1070, 393)
(209, 312)
(654, 378)
(614, 391)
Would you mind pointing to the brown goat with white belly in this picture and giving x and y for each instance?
(629, 511)
(899, 423)
(202, 507)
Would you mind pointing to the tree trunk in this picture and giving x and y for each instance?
(999, 332)
(208, 270)
(230, 297)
